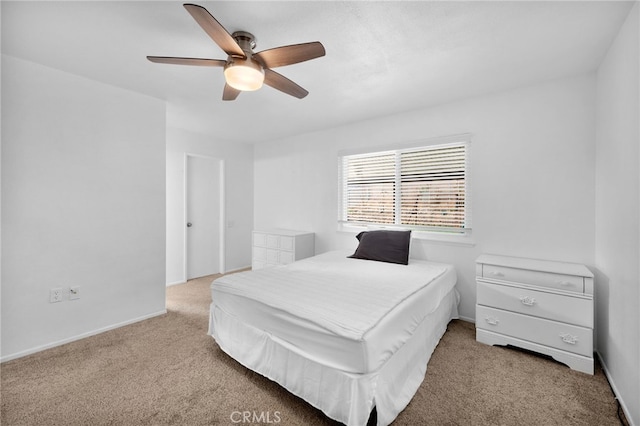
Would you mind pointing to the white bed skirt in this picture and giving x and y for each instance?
(342, 396)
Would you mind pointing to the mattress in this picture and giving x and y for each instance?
(348, 314)
(342, 396)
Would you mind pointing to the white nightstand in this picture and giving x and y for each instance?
(280, 247)
(542, 306)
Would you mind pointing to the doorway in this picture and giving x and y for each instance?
(204, 214)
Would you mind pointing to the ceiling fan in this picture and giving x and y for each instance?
(243, 69)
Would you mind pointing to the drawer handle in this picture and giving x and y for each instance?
(497, 274)
(564, 283)
(528, 301)
(568, 338)
(492, 320)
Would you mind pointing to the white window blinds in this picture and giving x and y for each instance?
(370, 182)
(421, 188)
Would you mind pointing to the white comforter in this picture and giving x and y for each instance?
(345, 296)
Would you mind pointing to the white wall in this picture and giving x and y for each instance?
(83, 197)
(617, 252)
(532, 175)
(238, 164)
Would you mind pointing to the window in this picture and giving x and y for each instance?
(421, 188)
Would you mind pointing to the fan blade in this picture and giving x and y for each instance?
(229, 93)
(282, 83)
(187, 61)
(215, 30)
(287, 55)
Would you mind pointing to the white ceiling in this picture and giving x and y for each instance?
(382, 57)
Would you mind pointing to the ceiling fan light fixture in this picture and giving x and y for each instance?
(244, 74)
(241, 71)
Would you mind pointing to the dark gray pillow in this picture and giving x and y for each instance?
(383, 246)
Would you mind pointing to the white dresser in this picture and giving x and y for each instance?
(542, 306)
(280, 246)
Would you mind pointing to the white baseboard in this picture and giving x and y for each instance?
(467, 319)
(625, 409)
(244, 268)
(78, 337)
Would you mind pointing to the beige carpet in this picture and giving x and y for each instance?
(167, 371)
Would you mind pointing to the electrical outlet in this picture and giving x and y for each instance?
(55, 295)
(74, 293)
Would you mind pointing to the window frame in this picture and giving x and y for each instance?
(454, 235)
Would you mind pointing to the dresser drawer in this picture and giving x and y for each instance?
(273, 256)
(273, 241)
(558, 307)
(285, 257)
(259, 254)
(259, 239)
(286, 243)
(538, 278)
(257, 264)
(566, 337)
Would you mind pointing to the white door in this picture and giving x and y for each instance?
(203, 216)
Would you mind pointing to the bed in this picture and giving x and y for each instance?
(344, 334)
